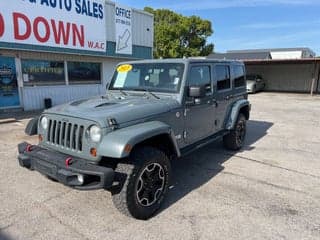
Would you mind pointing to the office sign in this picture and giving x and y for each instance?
(123, 21)
(73, 24)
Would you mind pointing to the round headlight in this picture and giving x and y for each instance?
(44, 122)
(95, 133)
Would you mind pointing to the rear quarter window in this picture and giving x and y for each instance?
(223, 77)
(238, 73)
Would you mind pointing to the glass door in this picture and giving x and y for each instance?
(9, 93)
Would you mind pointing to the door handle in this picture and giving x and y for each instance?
(228, 97)
(214, 102)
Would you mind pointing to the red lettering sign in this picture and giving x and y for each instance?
(61, 32)
(1, 25)
(78, 35)
(54, 24)
(43, 30)
(36, 23)
(17, 34)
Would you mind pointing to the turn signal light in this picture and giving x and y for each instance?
(40, 138)
(128, 148)
(93, 152)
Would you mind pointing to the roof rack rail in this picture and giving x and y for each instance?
(197, 58)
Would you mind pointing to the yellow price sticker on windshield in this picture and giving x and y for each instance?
(124, 68)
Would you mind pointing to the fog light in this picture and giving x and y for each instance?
(81, 179)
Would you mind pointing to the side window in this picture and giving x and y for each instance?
(199, 76)
(43, 72)
(84, 72)
(238, 72)
(223, 77)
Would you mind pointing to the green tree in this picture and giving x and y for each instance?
(177, 36)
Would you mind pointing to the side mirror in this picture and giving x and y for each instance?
(197, 91)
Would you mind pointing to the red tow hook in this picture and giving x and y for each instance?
(68, 161)
(29, 148)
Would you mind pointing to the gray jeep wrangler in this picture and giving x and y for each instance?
(154, 111)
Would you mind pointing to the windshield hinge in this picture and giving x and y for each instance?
(112, 122)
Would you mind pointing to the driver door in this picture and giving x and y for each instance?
(199, 112)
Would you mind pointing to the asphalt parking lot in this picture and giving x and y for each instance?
(269, 190)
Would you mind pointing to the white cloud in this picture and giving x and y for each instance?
(275, 25)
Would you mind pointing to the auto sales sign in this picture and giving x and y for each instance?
(73, 24)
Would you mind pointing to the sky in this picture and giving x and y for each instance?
(251, 24)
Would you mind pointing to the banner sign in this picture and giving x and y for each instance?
(123, 21)
(73, 24)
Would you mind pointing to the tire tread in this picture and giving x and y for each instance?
(229, 140)
(131, 169)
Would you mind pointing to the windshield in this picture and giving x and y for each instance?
(157, 77)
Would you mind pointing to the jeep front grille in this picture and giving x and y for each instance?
(65, 134)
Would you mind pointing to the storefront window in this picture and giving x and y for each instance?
(42, 72)
(9, 94)
(84, 72)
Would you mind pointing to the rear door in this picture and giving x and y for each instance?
(223, 94)
(239, 82)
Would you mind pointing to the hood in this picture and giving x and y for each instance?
(122, 109)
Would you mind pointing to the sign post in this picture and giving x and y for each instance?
(123, 21)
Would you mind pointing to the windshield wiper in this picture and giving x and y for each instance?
(148, 91)
(123, 92)
(151, 93)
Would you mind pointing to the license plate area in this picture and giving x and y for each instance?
(46, 168)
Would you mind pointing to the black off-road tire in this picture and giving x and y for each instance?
(125, 196)
(234, 140)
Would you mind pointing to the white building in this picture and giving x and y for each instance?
(68, 51)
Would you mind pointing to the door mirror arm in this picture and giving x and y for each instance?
(197, 91)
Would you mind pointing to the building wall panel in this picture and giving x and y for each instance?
(142, 29)
(110, 22)
(33, 97)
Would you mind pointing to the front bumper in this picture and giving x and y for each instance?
(71, 171)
